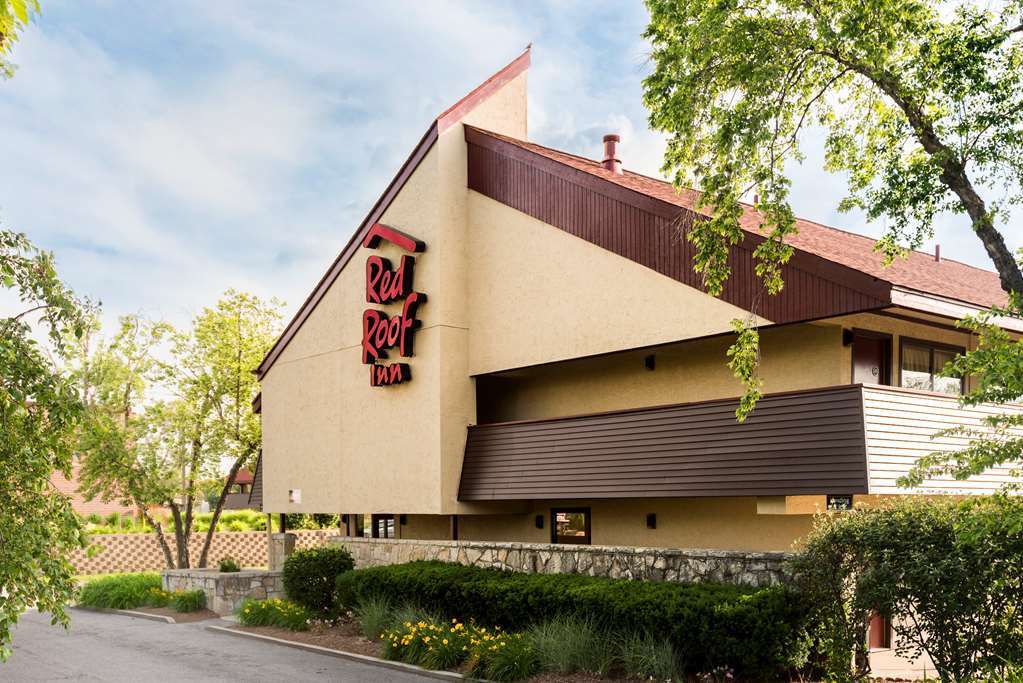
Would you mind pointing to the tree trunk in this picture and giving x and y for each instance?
(180, 536)
(953, 173)
(220, 506)
(167, 555)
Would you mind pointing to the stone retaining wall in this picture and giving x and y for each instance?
(141, 552)
(225, 591)
(653, 564)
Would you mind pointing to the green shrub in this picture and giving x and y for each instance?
(120, 591)
(113, 519)
(945, 563)
(94, 519)
(228, 564)
(755, 632)
(310, 575)
(275, 612)
(188, 601)
(157, 597)
(375, 616)
(568, 643)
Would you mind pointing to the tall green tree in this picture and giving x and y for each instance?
(40, 412)
(161, 448)
(921, 102)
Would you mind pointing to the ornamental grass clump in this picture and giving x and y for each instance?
(275, 612)
(567, 644)
(375, 615)
(228, 565)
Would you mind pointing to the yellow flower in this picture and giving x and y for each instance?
(445, 641)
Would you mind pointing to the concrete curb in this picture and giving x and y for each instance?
(363, 659)
(129, 613)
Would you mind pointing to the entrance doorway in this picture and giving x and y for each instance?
(871, 358)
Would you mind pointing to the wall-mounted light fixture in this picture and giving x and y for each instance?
(539, 521)
(650, 362)
(651, 520)
(344, 519)
(402, 520)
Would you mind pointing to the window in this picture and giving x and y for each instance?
(382, 526)
(570, 525)
(922, 361)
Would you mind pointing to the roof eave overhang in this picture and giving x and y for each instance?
(951, 308)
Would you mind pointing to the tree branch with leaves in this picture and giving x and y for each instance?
(921, 102)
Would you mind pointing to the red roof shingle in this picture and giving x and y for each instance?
(917, 271)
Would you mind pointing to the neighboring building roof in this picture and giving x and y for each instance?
(256, 492)
(243, 476)
(69, 487)
(447, 119)
(918, 271)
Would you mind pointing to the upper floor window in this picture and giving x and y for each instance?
(921, 363)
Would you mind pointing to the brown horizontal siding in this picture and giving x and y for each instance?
(650, 231)
(797, 443)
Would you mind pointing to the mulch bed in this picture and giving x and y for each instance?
(347, 637)
(179, 617)
(344, 636)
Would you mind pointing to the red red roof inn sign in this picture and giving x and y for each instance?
(386, 284)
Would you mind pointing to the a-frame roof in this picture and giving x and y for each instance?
(448, 118)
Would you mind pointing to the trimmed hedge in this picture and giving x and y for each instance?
(309, 576)
(753, 632)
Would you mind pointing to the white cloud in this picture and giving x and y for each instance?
(169, 153)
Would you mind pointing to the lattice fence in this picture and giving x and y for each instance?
(141, 552)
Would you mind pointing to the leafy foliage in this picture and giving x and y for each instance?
(275, 612)
(229, 565)
(187, 601)
(921, 102)
(997, 366)
(164, 452)
(123, 591)
(310, 575)
(757, 632)
(14, 17)
(950, 572)
(39, 414)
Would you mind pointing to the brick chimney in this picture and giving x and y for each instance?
(611, 161)
(937, 252)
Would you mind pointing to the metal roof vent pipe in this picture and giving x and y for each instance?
(611, 161)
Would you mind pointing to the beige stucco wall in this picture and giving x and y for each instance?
(539, 294)
(793, 358)
(718, 523)
(349, 446)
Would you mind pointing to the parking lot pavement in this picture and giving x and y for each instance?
(113, 647)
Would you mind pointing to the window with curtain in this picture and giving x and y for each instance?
(921, 363)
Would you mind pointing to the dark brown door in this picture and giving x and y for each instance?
(870, 360)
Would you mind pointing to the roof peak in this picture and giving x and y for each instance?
(483, 91)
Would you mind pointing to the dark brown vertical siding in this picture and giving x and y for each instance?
(256, 492)
(651, 232)
(798, 443)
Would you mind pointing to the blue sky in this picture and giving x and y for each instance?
(168, 151)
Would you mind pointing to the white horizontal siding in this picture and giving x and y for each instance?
(900, 428)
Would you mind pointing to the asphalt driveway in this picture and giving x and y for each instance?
(112, 647)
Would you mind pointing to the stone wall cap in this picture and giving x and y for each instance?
(708, 553)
